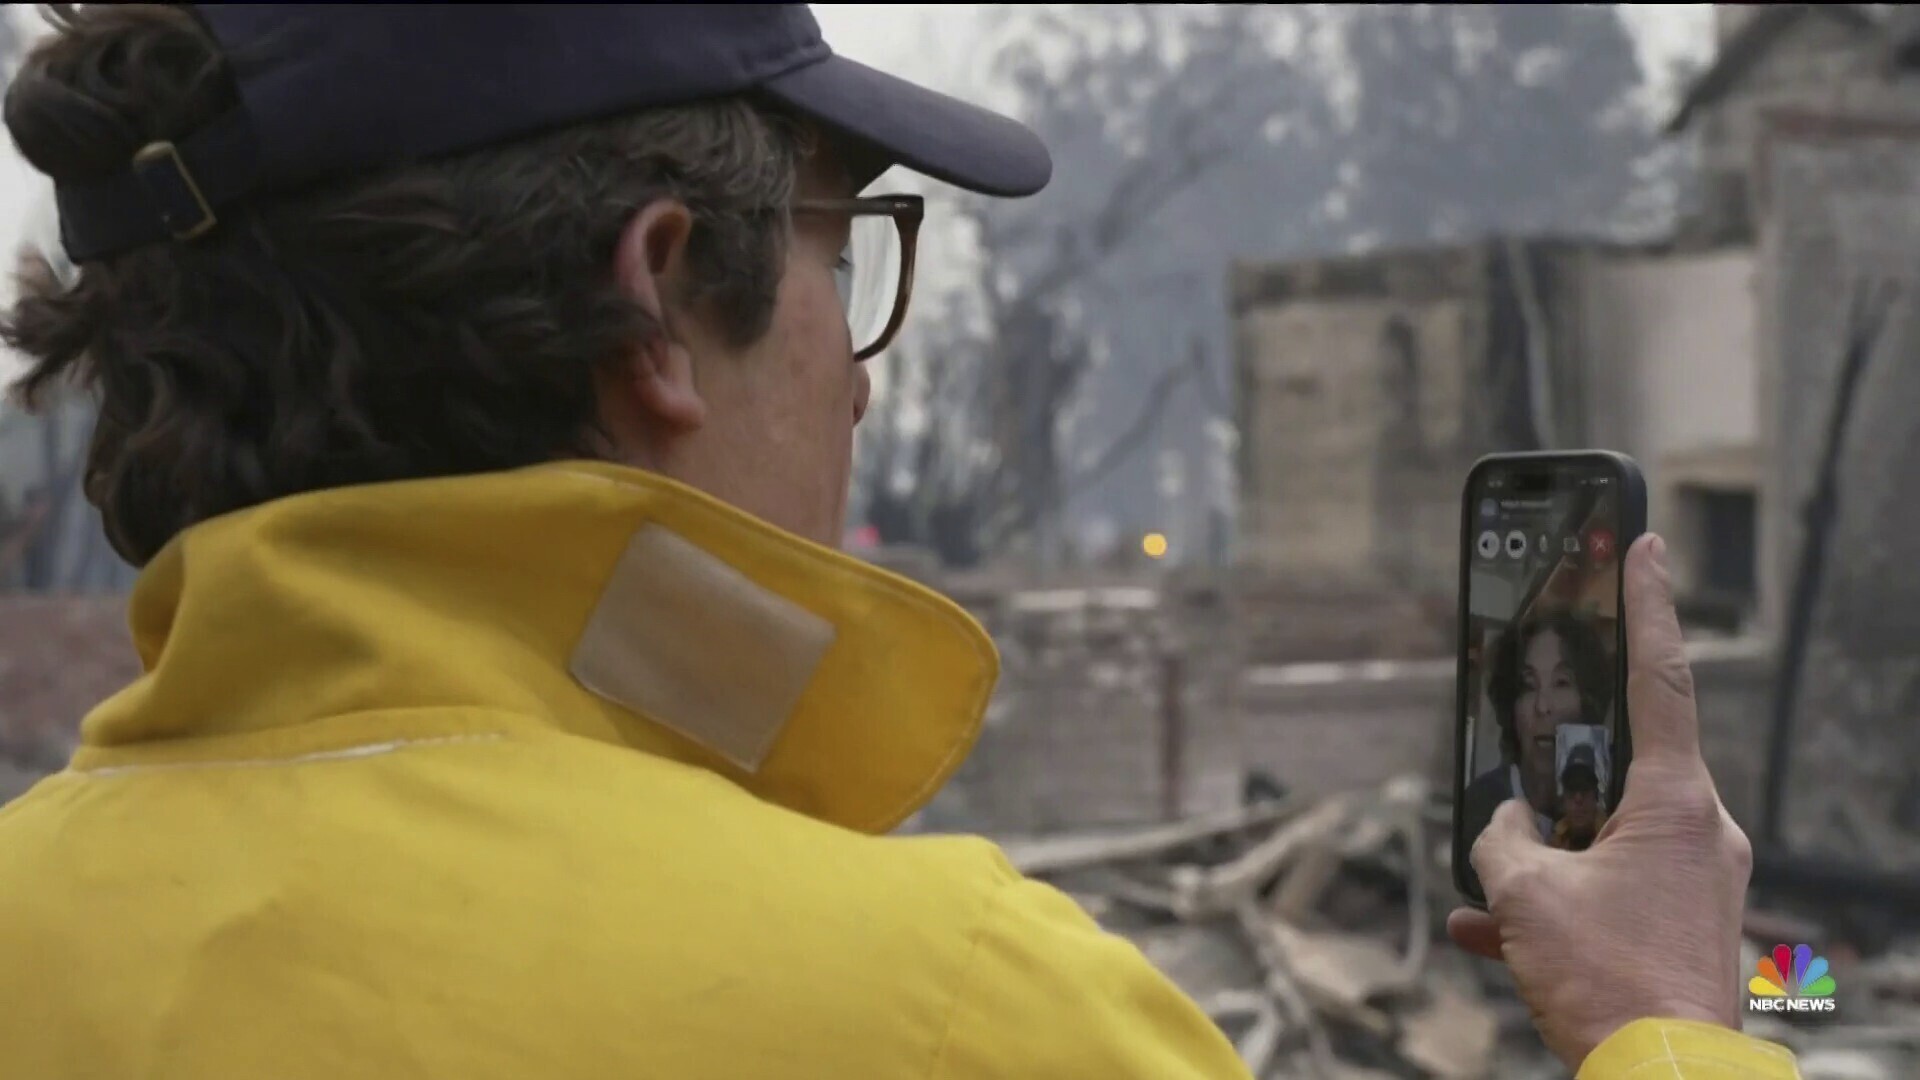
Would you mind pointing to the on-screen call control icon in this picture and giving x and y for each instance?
(1600, 545)
(1489, 545)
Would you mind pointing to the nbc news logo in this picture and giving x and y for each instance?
(1791, 980)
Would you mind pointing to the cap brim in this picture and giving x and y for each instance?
(925, 131)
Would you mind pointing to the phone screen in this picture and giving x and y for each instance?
(1542, 640)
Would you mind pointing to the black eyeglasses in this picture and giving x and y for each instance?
(875, 273)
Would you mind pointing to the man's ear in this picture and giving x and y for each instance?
(650, 263)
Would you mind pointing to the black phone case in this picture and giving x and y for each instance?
(1633, 523)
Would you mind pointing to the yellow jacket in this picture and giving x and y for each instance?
(1563, 831)
(563, 772)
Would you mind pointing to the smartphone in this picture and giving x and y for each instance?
(1541, 710)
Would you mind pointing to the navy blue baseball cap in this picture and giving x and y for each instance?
(328, 90)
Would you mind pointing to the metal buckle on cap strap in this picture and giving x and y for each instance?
(183, 210)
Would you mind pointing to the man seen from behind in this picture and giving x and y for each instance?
(477, 387)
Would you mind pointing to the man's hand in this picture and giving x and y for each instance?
(1646, 922)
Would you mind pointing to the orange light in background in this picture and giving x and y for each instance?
(1155, 545)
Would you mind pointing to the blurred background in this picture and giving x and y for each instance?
(1187, 431)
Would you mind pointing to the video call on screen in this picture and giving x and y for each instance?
(1542, 604)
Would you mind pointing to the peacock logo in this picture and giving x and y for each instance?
(1791, 980)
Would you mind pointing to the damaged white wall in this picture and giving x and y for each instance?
(1671, 366)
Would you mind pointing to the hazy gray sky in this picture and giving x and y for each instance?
(928, 43)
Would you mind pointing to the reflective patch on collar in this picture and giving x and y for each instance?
(692, 644)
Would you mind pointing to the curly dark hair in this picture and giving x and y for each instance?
(1585, 654)
(435, 319)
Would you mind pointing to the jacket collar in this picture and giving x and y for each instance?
(604, 601)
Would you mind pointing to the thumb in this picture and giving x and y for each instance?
(1660, 706)
(1511, 838)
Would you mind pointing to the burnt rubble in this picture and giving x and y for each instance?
(1312, 931)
